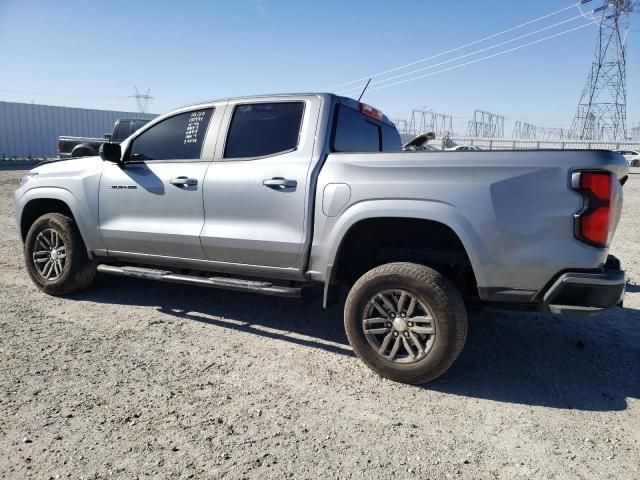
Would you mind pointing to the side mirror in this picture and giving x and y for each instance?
(110, 152)
(107, 137)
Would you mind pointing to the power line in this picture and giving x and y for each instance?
(463, 46)
(564, 32)
(491, 47)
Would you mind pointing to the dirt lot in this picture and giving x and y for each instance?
(135, 379)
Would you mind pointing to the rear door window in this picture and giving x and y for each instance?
(264, 129)
(176, 138)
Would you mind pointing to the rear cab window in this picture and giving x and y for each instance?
(123, 130)
(138, 124)
(354, 131)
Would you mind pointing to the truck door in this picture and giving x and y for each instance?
(152, 204)
(256, 190)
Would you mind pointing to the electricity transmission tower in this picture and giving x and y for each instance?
(524, 130)
(143, 100)
(402, 126)
(554, 134)
(602, 109)
(442, 124)
(425, 120)
(486, 125)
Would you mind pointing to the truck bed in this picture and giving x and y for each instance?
(512, 210)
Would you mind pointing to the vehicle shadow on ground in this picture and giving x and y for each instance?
(532, 359)
(300, 321)
(584, 363)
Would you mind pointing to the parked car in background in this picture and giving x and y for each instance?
(69, 147)
(428, 148)
(419, 144)
(631, 156)
(464, 148)
(277, 194)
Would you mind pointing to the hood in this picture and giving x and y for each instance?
(69, 166)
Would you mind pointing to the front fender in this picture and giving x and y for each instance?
(331, 231)
(84, 217)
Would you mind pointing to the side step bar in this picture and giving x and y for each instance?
(239, 285)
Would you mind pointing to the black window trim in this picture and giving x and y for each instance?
(142, 130)
(275, 154)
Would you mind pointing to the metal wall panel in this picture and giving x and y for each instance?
(30, 130)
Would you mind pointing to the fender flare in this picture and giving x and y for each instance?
(88, 229)
(440, 212)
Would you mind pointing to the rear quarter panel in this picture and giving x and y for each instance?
(513, 211)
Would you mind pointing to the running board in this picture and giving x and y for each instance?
(236, 284)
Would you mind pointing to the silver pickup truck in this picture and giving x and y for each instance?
(275, 194)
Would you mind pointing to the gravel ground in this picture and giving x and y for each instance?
(135, 379)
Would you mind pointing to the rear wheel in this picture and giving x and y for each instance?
(405, 321)
(635, 162)
(56, 257)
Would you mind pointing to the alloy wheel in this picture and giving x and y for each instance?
(49, 254)
(399, 326)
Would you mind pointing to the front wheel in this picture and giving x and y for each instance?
(406, 321)
(56, 257)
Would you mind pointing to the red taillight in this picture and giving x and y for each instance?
(369, 111)
(598, 183)
(594, 224)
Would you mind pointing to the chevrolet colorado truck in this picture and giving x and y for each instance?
(274, 194)
(71, 147)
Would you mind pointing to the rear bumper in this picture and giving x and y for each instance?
(586, 293)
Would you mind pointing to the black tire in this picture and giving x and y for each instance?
(76, 272)
(444, 306)
(635, 163)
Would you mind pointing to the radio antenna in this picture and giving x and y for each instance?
(364, 89)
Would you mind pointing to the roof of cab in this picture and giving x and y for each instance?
(343, 100)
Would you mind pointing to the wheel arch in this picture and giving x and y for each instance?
(39, 201)
(37, 207)
(442, 218)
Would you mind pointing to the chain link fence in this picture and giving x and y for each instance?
(506, 144)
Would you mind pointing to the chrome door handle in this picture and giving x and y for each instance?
(279, 183)
(183, 182)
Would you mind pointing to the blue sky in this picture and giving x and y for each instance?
(92, 54)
